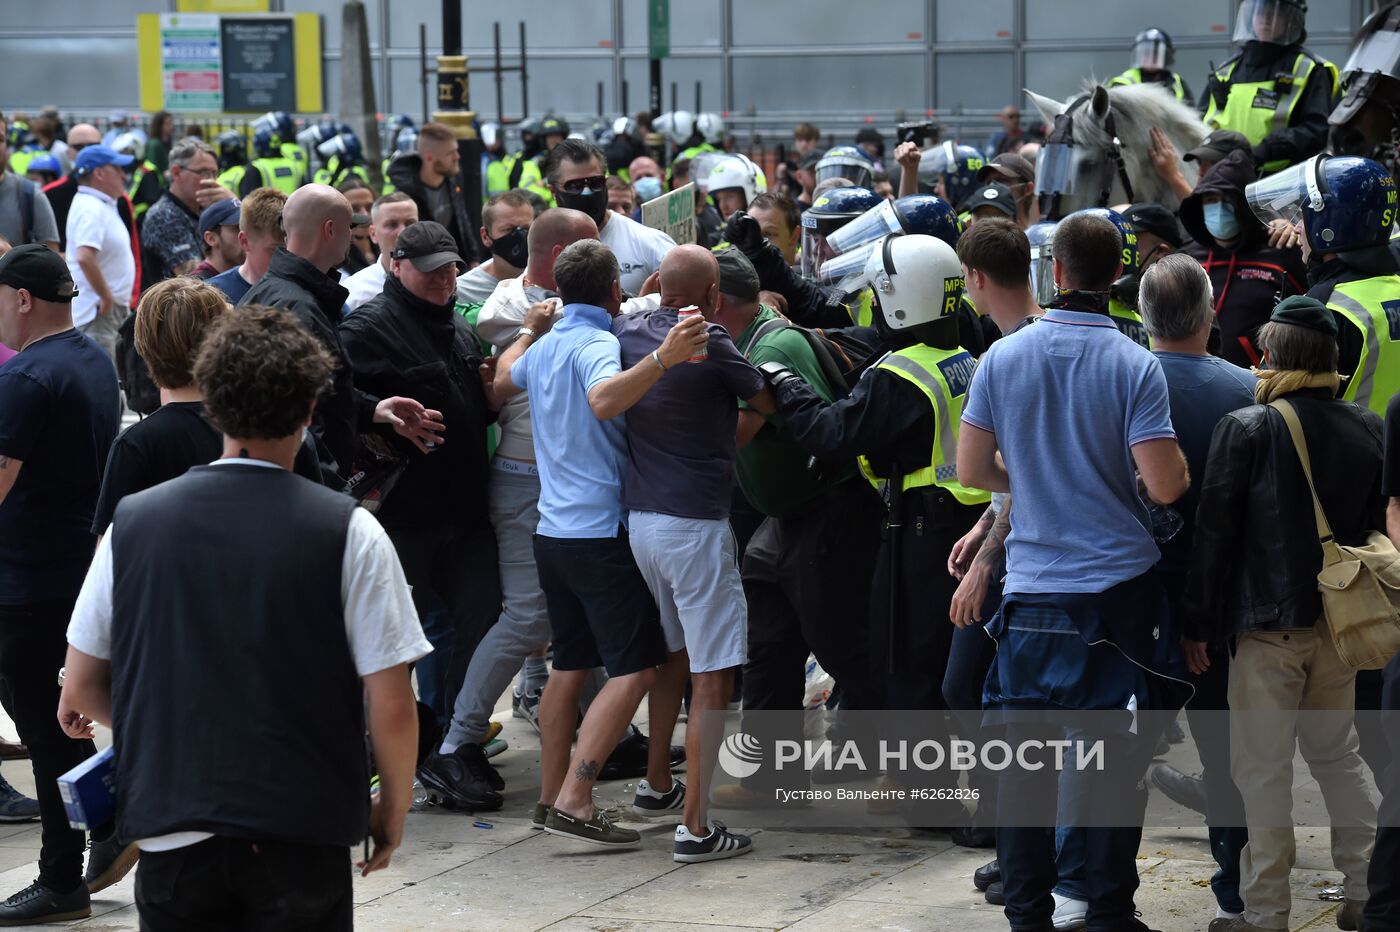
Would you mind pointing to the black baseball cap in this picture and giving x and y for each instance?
(1218, 145)
(737, 276)
(1155, 219)
(428, 245)
(992, 195)
(40, 271)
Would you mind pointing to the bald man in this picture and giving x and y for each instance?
(677, 491)
(300, 280)
(60, 193)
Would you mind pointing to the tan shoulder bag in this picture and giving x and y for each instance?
(1360, 586)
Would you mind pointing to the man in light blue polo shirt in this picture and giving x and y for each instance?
(1076, 410)
(600, 610)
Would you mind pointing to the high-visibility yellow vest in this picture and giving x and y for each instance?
(1134, 76)
(862, 308)
(335, 172)
(231, 178)
(138, 175)
(280, 173)
(298, 157)
(515, 171)
(1373, 306)
(1129, 322)
(943, 375)
(1258, 108)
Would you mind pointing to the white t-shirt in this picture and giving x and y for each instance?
(639, 249)
(380, 620)
(93, 221)
(365, 285)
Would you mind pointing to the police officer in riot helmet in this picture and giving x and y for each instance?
(1153, 57)
(1275, 91)
(949, 170)
(901, 420)
(1366, 122)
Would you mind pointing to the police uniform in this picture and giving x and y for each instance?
(1278, 97)
(295, 154)
(277, 172)
(337, 171)
(144, 188)
(901, 421)
(516, 171)
(1173, 82)
(1366, 303)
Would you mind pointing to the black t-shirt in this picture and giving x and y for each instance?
(1390, 472)
(163, 446)
(59, 410)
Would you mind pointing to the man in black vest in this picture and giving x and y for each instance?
(311, 598)
(300, 279)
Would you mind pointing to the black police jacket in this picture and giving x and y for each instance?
(1306, 132)
(399, 344)
(316, 298)
(1255, 556)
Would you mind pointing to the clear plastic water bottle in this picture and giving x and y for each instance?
(422, 799)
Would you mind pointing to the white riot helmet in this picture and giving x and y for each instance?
(711, 126)
(917, 280)
(624, 126)
(679, 126)
(735, 171)
(128, 144)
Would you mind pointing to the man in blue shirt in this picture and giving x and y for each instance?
(600, 610)
(1075, 410)
(1178, 310)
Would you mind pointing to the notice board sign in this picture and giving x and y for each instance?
(211, 63)
(673, 213)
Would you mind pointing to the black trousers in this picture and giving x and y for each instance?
(33, 643)
(234, 884)
(1383, 909)
(456, 567)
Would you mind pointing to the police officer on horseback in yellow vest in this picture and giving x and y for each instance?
(1347, 206)
(901, 420)
(1153, 55)
(1275, 91)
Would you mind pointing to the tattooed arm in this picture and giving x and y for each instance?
(966, 606)
(9, 471)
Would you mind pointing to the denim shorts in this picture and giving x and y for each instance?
(690, 566)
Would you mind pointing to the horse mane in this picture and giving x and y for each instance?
(1141, 107)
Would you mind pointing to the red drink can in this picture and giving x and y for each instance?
(686, 313)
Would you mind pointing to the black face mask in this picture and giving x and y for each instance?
(514, 248)
(594, 203)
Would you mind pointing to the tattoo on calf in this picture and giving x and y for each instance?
(587, 770)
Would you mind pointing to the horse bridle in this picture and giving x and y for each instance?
(1113, 150)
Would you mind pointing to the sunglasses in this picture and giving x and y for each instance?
(576, 186)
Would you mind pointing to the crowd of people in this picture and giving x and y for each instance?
(970, 437)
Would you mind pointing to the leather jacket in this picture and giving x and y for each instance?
(1255, 555)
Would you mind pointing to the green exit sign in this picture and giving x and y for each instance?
(659, 28)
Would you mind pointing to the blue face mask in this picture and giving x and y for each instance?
(1221, 221)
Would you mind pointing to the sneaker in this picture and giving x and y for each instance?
(1223, 913)
(537, 820)
(987, 874)
(37, 903)
(15, 806)
(994, 895)
(108, 862)
(494, 744)
(598, 830)
(464, 779)
(1069, 913)
(517, 704)
(1349, 917)
(969, 836)
(530, 708)
(1238, 924)
(628, 760)
(1180, 788)
(719, 843)
(649, 804)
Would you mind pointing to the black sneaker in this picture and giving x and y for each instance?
(1184, 790)
(37, 903)
(994, 894)
(720, 843)
(108, 862)
(651, 804)
(968, 836)
(986, 875)
(598, 830)
(464, 779)
(628, 761)
(15, 806)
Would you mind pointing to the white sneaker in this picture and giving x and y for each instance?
(719, 843)
(1069, 914)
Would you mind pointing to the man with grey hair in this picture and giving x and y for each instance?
(170, 240)
(1177, 308)
(600, 610)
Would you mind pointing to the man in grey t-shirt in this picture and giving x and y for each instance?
(505, 227)
(25, 213)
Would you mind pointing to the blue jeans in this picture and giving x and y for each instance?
(432, 669)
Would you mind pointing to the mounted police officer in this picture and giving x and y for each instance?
(1275, 91)
(1153, 55)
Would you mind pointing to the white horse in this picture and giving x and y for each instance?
(1136, 109)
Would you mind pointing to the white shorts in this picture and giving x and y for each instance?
(690, 567)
